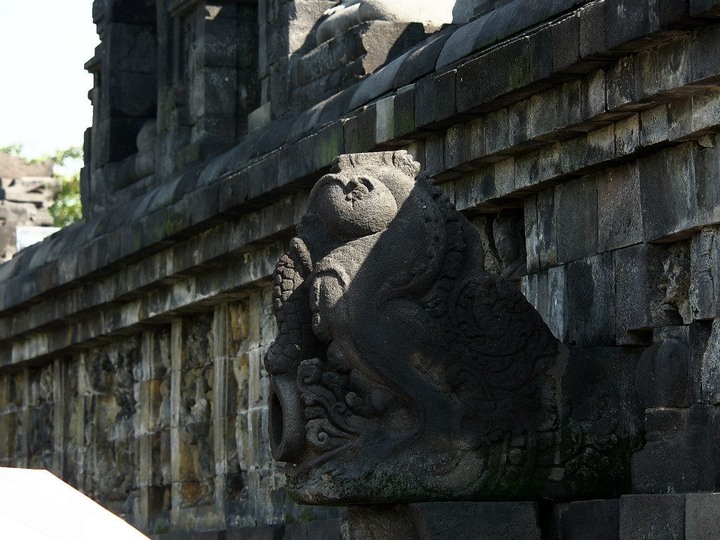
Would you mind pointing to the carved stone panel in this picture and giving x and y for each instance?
(403, 371)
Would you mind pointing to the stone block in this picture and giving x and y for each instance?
(278, 39)
(444, 521)
(619, 212)
(434, 154)
(592, 30)
(445, 89)
(221, 46)
(425, 102)
(485, 184)
(652, 517)
(546, 291)
(664, 68)
(531, 234)
(404, 113)
(329, 144)
(298, 159)
(622, 83)
(546, 229)
(654, 125)
(707, 171)
(518, 122)
(597, 147)
(576, 219)
(570, 107)
(544, 115)
(497, 131)
(474, 139)
(707, 373)
(680, 452)
(440, 521)
(455, 142)
(589, 301)
(639, 302)
(213, 93)
(705, 65)
(679, 119)
(702, 516)
(510, 67)
(704, 274)
(360, 130)
(602, 379)
(587, 520)
(565, 43)
(663, 376)
(315, 530)
(666, 192)
(130, 48)
(627, 135)
(133, 95)
(279, 88)
(385, 120)
(207, 134)
(626, 20)
(381, 522)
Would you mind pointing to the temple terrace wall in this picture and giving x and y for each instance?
(131, 343)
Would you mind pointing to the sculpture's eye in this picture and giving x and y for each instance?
(367, 183)
(357, 188)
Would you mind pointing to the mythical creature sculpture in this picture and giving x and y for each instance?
(349, 13)
(402, 370)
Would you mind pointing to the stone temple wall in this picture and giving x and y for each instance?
(131, 343)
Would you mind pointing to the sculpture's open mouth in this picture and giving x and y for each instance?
(287, 422)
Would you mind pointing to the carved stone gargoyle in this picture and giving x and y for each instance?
(403, 371)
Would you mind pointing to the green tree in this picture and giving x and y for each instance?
(12, 149)
(67, 207)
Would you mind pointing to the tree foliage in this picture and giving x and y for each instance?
(67, 207)
(12, 149)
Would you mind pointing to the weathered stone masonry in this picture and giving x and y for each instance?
(131, 343)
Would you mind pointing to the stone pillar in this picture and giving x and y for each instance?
(151, 432)
(7, 421)
(192, 406)
(224, 394)
(177, 465)
(60, 406)
(77, 431)
(23, 448)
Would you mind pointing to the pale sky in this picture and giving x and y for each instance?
(43, 86)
